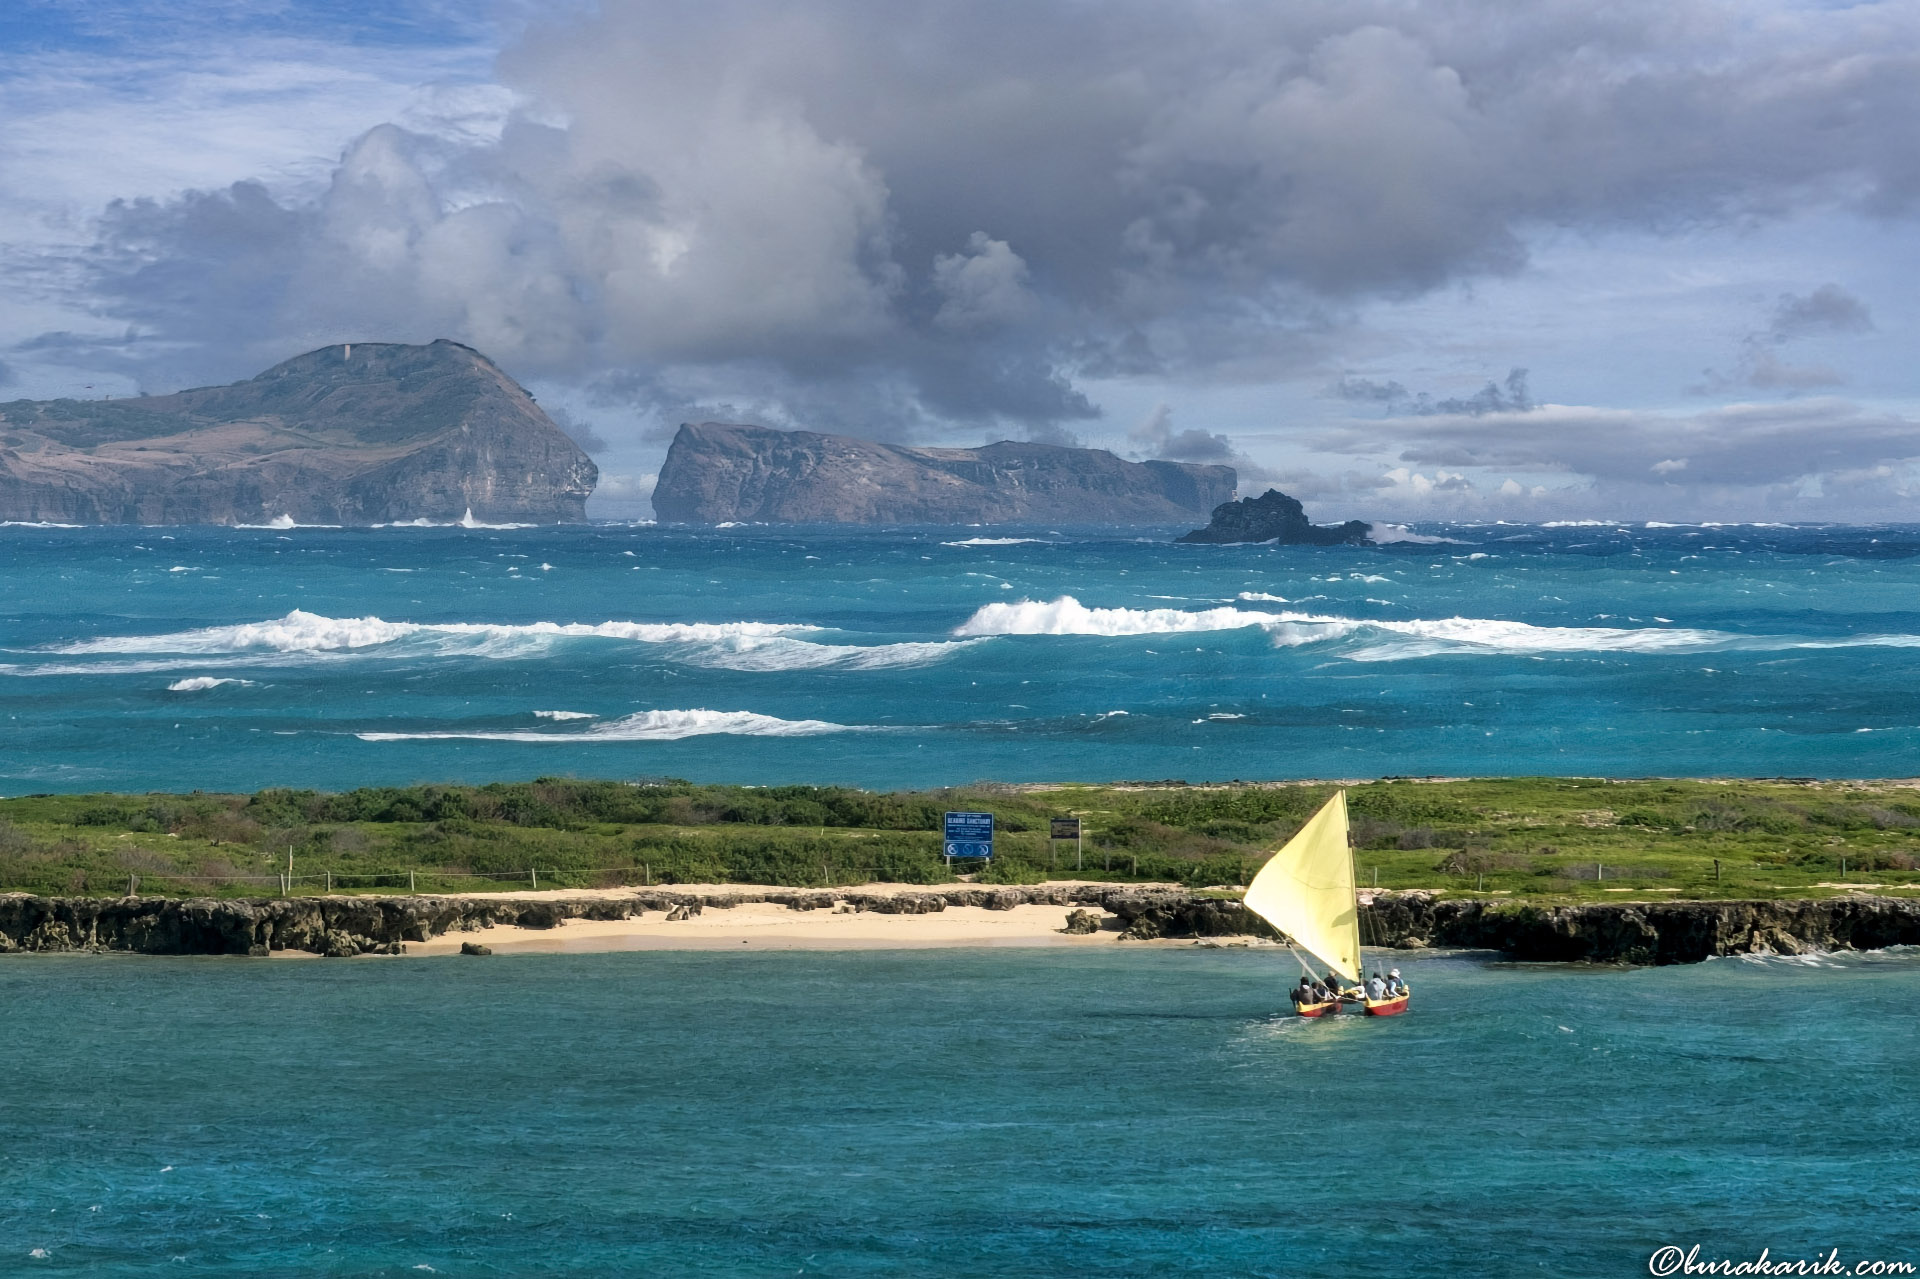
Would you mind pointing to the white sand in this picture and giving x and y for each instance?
(765, 926)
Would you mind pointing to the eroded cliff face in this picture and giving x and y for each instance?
(365, 433)
(716, 472)
(1606, 932)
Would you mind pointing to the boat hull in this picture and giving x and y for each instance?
(1387, 1007)
(1327, 1009)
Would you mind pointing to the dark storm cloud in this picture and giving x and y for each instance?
(927, 213)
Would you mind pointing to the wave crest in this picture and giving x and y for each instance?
(738, 646)
(646, 726)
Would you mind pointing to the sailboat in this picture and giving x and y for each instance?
(1307, 891)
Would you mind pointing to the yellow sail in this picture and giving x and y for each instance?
(1306, 890)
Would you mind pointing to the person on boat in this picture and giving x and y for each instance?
(1395, 986)
(1376, 987)
(1303, 993)
(1334, 989)
(1321, 994)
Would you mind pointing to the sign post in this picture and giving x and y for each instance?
(969, 835)
(1069, 828)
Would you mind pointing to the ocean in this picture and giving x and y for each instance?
(179, 658)
(954, 1113)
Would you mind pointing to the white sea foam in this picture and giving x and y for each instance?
(36, 524)
(647, 726)
(1388, 534)
(994, 541)
(566, 715)
(1263, 597)
(200, 683)
(1068, 616)
(739, 646)
(1386, 640)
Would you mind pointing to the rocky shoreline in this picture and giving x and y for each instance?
(1677, 932)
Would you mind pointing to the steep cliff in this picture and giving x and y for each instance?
(1275, 517)
(366, 433)
(716, 472)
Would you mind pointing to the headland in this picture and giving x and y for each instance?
(352, 434)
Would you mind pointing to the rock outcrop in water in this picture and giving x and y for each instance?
(1275, 517)
(1606, 932)
(716, 473)
(366, 433)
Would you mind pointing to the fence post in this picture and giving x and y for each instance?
(130, 883)
(1599, 871)
(648, 868)
(409, 881)
(533, 873)
(329, 883)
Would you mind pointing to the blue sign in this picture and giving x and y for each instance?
(969, 835)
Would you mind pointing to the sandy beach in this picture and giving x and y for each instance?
(765, 926)
(774, 926)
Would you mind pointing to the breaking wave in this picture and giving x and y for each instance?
(739, 646)
(647, 726)
(994, 541)
(1383, 640)
(201, 683)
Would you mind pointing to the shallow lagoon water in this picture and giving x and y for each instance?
(960, 1113)
(239, 658)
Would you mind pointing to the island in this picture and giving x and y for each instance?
(1275, 517)
(352, 434)
(718, 472)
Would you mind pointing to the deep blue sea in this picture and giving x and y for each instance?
(137, 658)
(958, 1113)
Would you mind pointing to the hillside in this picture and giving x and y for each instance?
(717, 472)
(364, 433)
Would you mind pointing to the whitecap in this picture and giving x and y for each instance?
(566, 715)
(1068, 616)
(201, 683)
(995, 541)
(1263, 598)
(737, 646)
(646, 726)
(1388, 534)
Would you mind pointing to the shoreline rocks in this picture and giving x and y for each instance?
(1643, 933)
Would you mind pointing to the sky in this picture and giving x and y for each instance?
(1403, 259)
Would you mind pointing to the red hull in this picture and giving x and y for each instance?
(1387, 1007)
(1318, 1010)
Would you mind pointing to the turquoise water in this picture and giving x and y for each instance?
(220, 658)
(954, 1113)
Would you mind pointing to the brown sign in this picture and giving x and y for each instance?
(1066, 828)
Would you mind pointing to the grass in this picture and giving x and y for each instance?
(1554, 839)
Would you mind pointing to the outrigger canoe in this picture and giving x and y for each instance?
(1307, 890)
(1388, 1007)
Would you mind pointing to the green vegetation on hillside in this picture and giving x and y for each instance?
(1553, 838)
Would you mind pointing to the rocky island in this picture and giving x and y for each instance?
(1275, 517)
(717, 472)
(360, 433)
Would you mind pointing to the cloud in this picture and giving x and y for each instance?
(928, 215)
(581, 433)
(1738, 445)
(1510, 397)
(1828, 309)
(1157, 438)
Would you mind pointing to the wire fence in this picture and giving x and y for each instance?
(829, 874)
